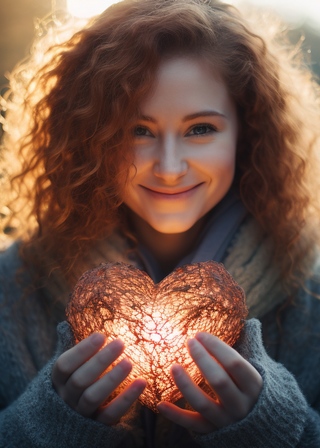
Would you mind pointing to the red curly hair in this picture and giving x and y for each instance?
(75, 150)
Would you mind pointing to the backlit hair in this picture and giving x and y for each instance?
(76, 116)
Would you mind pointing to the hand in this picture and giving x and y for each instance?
(77, 379)
(234, 381)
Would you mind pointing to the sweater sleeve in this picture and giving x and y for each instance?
(280, 418)
(40, 418)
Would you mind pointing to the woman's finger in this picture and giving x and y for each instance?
(206, 406)
(72, 359)
(111, 414)
(90, 371)
(218, 379)
(95, 395)
(244, 375)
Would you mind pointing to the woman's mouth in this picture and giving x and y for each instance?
(172, 193)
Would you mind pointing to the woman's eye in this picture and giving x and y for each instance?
(202, 129)
(141, 131)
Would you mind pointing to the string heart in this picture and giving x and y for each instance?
(155, 320)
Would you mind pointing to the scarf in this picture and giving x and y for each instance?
(233, 238)
(230, 236)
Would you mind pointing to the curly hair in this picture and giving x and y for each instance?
(75, 149)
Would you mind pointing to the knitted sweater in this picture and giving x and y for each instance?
(287, 357)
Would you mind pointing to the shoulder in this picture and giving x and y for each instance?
(299, 321)
(304, 310)
(11, 261)
(14, 276)
(312, 283)
(299, 316)
(10, 264)
(10, 258)
(292, 336)
(306, 301)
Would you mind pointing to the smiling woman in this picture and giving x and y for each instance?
(185, 151)
(167, 135)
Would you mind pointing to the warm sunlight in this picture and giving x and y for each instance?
(88, 8)
(292, 10)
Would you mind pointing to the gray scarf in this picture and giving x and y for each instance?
(230, 236)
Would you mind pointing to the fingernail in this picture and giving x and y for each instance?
(201, 336)
(140, 385)
(125, 364)
(162, 407)
(176, 369)
(116, 344)
(97, 338)
(192, 343)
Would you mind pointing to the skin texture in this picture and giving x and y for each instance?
(185, 145)
(76, 377)
(183, 167)
(235, 382)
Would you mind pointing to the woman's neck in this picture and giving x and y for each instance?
(167, 248)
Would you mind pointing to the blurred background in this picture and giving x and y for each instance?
(18, 19)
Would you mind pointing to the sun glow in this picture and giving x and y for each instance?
(293, 11)
(85, 9)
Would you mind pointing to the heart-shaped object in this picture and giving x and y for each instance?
(156, 320)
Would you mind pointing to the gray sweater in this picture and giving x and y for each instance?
(33, 415)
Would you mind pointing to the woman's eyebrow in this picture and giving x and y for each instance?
(147, 118)
(203, 113)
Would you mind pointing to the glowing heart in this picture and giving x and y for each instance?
(156, 320)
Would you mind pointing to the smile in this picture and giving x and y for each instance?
(171, 194)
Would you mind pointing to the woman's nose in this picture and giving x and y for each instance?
(170, 163)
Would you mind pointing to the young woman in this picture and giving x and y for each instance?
(166, 132)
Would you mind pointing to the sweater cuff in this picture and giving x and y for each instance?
(278, 418)
(43, 419)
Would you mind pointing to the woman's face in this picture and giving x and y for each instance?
(184, 147)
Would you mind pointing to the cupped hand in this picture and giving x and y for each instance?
(236, 385)
(78, 378)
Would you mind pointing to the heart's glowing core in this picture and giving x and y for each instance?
(156, 320)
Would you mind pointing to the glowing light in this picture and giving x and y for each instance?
(88, 8)
(293, 11)
(155, 321)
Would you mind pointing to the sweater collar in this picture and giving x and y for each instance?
(244, 250)
(221, 226)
